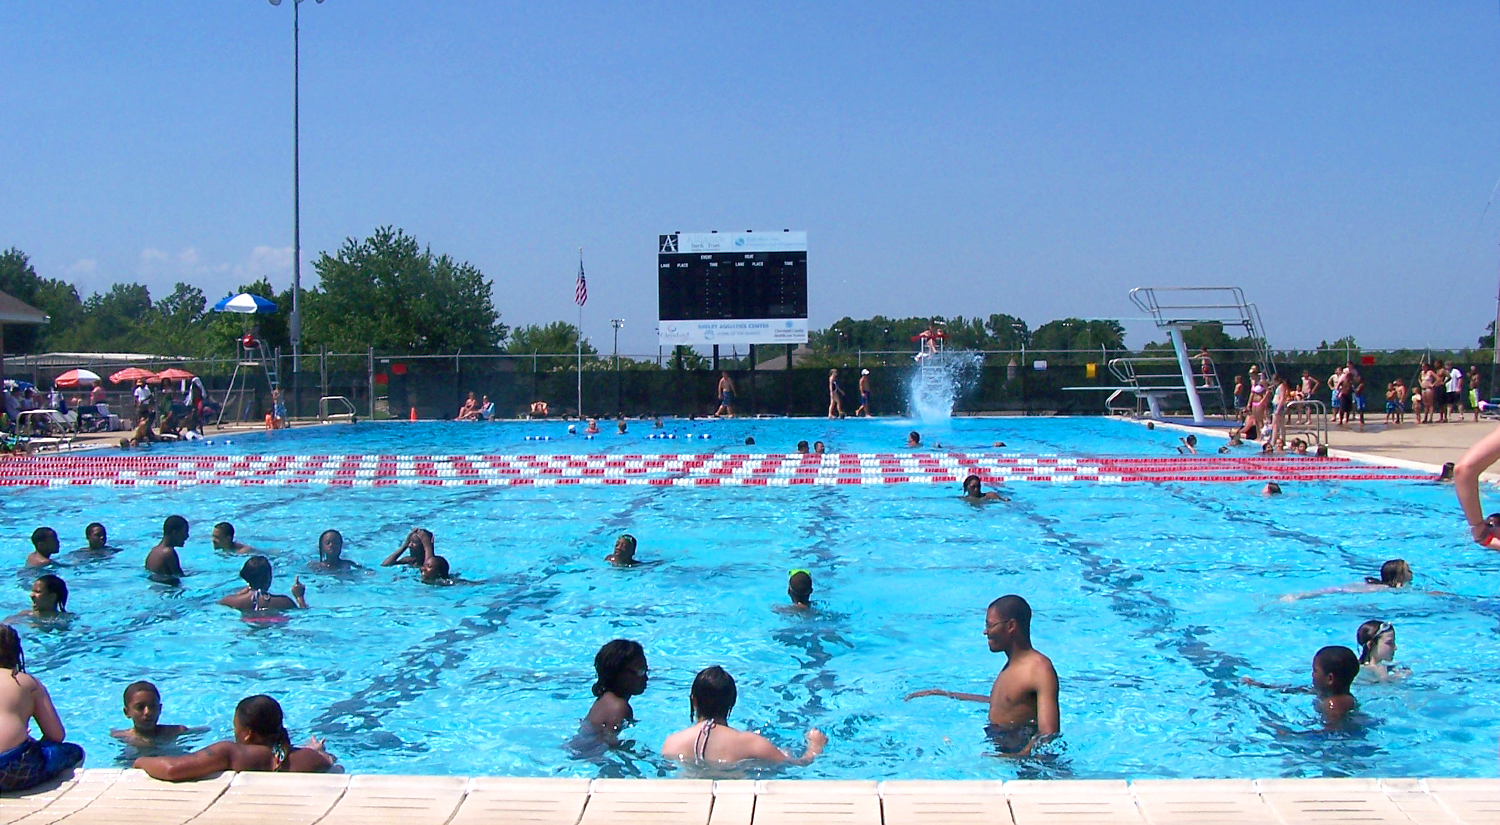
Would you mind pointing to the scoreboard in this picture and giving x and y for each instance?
(732, 288)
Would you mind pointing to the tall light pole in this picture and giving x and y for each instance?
(617, 323)
(296, 325)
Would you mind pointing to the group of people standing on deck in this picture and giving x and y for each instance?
(727, 395)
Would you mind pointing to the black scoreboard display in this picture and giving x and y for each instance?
(732, 288)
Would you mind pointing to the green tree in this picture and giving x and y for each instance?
(1078, 334)
(388, 292)
(556, 338)
(56, 298)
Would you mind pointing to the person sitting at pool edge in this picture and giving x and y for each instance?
(98, 542)
(469, 410)
(622, 672)
(260, 743)
(331, 552)
(799, 588)
(256, 595)
(222, 538)
(974, 493)
(163, 560)
(712, 741)
(26, 762)
(1023, 699)
(44, 546)
(143, 709)
(624, 553)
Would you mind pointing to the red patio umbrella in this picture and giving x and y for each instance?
(131, 374)
(171, 374)
(73, 378)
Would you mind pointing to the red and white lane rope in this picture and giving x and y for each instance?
(673, 470)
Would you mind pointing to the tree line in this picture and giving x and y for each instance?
(392, 293)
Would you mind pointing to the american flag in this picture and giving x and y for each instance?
(581, 293)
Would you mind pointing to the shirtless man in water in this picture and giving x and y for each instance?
(1023, 700)
(162, 560)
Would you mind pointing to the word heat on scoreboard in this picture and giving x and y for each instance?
(732, 288)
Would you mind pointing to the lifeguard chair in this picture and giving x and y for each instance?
(253, 356)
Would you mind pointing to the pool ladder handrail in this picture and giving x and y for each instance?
(324, 409)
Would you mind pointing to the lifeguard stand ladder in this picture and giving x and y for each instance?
(1180, 307)
(250, 359)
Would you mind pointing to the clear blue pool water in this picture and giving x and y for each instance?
(1152, 600)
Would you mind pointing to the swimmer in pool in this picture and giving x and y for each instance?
(1377, 649)
(260, 743)
(593, 428)
(1394, 574)
(799, 588)
(622, 673)
(1271, 489)
(222, 538)
(711, 741)
(331, 553)
(1333, 671)
(163, 560)
(819, 448)
(49, 602)
(913, 439)
(1023, 700)
(1189, 445)
(802, 447)
(143, 709)
(98, 542)
(256, 596)
(44, 546)
(975, 494)
(419, 544)
(1466, 472)
(624, 554)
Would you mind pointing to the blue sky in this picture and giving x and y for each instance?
(1333, 159)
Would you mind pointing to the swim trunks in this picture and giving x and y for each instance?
(1010, 738)
(726, 398)
(864, 399)
(31, 763)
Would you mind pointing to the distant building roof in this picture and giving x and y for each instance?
(13, 310)
(779, 362)
(50, 360)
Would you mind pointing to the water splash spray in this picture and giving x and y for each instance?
(939, 380)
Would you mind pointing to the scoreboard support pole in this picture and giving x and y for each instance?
(788, 381)
(716, 357)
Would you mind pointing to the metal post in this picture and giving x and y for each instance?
(617, 323)
(371, 363)
(1175, 333)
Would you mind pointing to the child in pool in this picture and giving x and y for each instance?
(799, 588)
(622, 673)
(143, 709)
(1394, 574)
(624, 554)
(1333, 671)
(260, 743)
(1377, 647)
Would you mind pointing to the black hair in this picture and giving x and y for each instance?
(800, 586)
(261, 715)
(11, 654)
(1013, 607)
(58, 588)
(914, 436)
(440, 566)
(227, 528)
(40, 534)
(611, 660)
(1322, 451)
(1447, 472)
(713, 693)
(1191, 439)
(139, 687)
(749, 439)
(629, 541)
(1340, 663)
(801, 446)
(256, 571)
(174, 524)
(1273, 488)
(1367, 637)
(324, 535)
(978, 482)
(90, 528)
(1389, 573)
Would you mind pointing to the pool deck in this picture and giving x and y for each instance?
(1415, 446)
(115, 796)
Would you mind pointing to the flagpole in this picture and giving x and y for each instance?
(580, 340)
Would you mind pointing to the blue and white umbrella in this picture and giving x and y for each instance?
(245, 304)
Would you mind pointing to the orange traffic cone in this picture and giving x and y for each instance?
(413, 416)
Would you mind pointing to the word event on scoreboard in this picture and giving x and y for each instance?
(732, 288)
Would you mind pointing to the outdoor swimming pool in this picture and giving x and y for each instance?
(1152, 600)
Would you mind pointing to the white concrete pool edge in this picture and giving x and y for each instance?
(112, 795)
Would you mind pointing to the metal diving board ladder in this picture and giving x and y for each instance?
(1182, 307)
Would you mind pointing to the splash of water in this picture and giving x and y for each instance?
(939, 380)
